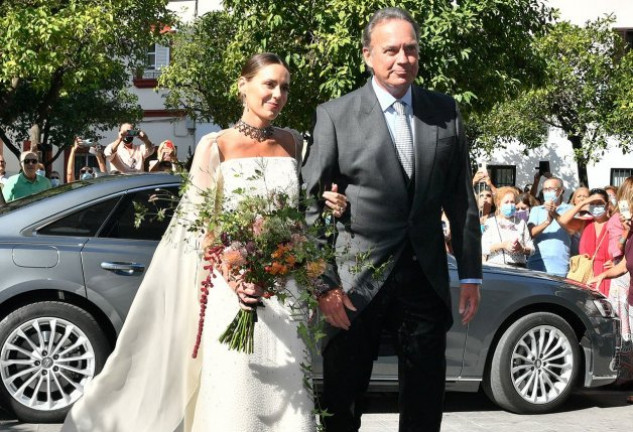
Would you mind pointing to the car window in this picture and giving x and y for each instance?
(153, 202)
(83, 223)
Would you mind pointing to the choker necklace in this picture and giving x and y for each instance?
(258, 134)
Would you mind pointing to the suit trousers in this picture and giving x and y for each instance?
(408, 308)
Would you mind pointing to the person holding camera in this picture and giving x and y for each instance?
(167, 160)
(126, 157)
(85, 172)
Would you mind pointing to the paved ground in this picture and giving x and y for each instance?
(587, 411)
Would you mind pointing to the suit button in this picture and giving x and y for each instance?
(414, 258)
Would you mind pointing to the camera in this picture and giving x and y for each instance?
(133, 132)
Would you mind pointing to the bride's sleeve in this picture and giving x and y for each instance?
(204, 172)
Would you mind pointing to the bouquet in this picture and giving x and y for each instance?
(264, 242)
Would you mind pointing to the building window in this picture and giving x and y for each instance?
(627, 36)
(157, 58)
(619, 174)
(150, 63)
(502, 175)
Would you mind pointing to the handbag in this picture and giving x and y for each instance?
(581, 266)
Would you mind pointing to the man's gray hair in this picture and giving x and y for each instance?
(387, 14)
(558, 179)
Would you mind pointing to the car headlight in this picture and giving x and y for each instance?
(604, 307)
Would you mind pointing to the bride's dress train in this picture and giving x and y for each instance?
(152, 383)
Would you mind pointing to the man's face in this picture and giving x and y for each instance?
(553, 186)
(29, 165)
(393, 55)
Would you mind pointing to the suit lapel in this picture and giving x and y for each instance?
(425, 145)
(378, 140)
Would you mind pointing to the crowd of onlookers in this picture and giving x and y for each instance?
(538, 229)
(132, 152)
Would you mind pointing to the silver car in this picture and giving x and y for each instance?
(71, 260)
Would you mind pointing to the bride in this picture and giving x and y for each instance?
(151, 382)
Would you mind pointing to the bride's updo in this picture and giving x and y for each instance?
(258, 61)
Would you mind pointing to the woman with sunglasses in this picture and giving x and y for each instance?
(27, 181)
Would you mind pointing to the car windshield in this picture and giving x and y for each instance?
(21, 202)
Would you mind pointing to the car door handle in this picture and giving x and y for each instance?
(123, 268)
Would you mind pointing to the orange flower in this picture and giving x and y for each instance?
(291, 260)
(233, 258)
(315, 268)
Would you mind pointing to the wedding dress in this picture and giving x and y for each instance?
(152, 383)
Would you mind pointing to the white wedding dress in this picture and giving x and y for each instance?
(152, 383)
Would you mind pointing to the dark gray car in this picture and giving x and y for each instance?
(71, 260)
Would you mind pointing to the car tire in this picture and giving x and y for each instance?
(49, 351)
(534, 365)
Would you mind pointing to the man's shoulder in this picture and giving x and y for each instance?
(434, 98)
(343, 101)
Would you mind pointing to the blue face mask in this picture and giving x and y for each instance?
(522, 215)
(86, 176)
(549, 196)
(508, 209)
(596, 210)
(41, 172)
(54, 182)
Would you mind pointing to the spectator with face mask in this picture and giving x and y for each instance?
(26, 182)
(506, 239)
(525, 202)
(549, 233)
(594, 240)
(612, 191)
(126, 157)
(85, 172)
(55, 179)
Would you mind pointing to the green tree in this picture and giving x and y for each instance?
(65, 65)
(586, 94)
(477, 50)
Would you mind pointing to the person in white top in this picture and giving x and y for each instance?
(506, 239)
(124, 155)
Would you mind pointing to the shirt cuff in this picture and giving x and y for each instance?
(471, 281)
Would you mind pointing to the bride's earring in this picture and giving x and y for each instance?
(244, 103)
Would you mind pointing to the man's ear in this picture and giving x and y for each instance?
(367, 57)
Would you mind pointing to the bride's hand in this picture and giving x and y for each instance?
(248, 294)
(335, 201)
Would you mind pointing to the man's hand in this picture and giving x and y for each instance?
(468, 302)
(333, 304)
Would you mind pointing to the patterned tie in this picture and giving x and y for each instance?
(403, 138)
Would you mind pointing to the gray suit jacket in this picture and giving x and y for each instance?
(352, 147)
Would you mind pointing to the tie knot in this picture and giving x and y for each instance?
(400, 107)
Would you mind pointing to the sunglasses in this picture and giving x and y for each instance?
(30, 161)
(55, 178)
(84, 170)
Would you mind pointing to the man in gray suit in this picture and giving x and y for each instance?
(399, 154)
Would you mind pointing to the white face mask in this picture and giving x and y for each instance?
(55, 182)
(40, 172)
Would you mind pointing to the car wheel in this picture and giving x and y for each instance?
(49, 351)
(534, 365)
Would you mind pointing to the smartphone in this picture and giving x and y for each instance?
(543, 167)
(623, 205)
(133, 132)
(483, 166)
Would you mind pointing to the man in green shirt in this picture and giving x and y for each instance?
(26, 182)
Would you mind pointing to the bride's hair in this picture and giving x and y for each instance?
(258, 61)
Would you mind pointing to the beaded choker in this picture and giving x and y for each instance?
(258, 134)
